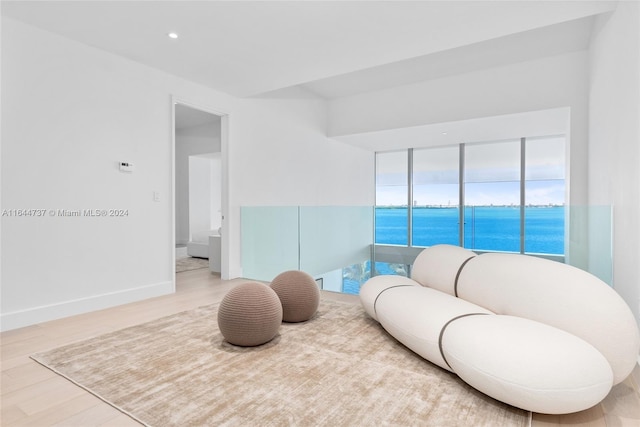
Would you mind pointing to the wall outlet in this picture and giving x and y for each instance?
(156, 196)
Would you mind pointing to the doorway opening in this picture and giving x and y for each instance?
(198, 188)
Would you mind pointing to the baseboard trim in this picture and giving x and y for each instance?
(31, 316)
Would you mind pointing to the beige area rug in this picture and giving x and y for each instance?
(190, 263)
(338, 369)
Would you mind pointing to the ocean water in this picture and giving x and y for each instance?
(487, 228)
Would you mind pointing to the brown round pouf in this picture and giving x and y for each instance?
(250, 314)
(298, 293)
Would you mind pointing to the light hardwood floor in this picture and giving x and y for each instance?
(34, 396)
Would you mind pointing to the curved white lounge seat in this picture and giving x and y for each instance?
(534, 333)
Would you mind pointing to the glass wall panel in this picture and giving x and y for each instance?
(545, 195)
(333, 237)
(333, 243)
(391, 198)
(492, 196)
(269, 241)
(436, 196)
(600, 232)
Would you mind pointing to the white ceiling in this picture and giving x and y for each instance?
(570, 36)
(333, 48)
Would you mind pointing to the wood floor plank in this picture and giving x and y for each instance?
(24, 375)
(9, 337)
(25, 347)
(48, 394)
(97, 413)
(68, 414)
(623, 402)
(121, 420)
(11, 415)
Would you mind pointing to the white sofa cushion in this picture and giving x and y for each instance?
(558, 295)
(373, 287)
(438, 266)
(415, 315)
(526, 363)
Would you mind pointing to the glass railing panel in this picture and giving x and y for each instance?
(334, 237)
(590, 240)
(269, 241)
(335, 244)
(331, 243)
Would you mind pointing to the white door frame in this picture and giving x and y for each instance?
(224, 157)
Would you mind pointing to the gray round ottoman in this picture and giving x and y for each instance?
(299, 294)
(250, 314)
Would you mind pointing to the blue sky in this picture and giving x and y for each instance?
(476, 194)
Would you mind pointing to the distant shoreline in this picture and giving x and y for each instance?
(467, 206)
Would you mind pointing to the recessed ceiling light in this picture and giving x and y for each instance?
(444, 133)
(173, 35)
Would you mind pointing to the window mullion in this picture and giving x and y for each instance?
(523, 142)
(410, 197)
(461, 195)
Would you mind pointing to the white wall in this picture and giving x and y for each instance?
(282, 157)
(204, 194)
(199, 194)
(215, 191)
(614, 139)
(71, 112)
(190, 141)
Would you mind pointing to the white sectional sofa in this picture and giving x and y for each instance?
(537, 334)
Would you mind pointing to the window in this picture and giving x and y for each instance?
(436, 193)
(391, 198)
(544, 195)
(492, 196)
(512, 193)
